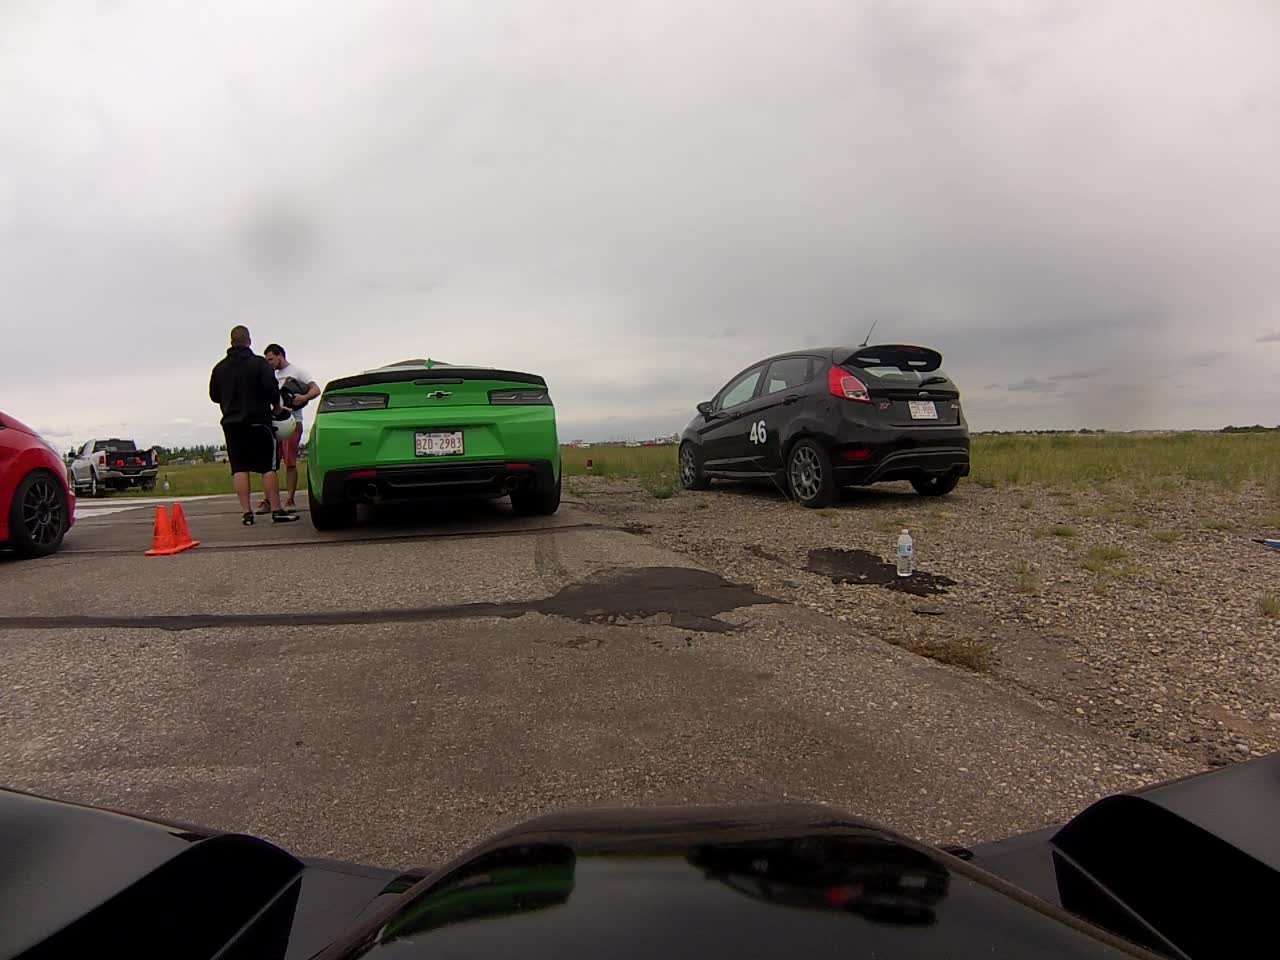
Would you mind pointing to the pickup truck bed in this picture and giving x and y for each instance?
(113, 465)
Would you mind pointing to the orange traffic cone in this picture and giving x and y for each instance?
(181, 533)
(163, 543)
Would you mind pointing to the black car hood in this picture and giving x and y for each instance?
(779, 881)
(673, 882)
(1189, 869)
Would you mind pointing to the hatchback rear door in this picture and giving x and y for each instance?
(906, 384)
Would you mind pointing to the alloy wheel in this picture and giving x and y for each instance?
(805, 473)
(43, 512)
(688, 469)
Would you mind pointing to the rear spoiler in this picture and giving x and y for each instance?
(920, 359)
(434, 375)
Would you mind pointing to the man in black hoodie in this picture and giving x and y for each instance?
(244, 386)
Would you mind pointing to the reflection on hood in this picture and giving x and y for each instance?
(499, 883)
(877, 878)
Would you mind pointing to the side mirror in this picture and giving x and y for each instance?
(704, 408)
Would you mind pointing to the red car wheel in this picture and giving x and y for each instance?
(38, 515)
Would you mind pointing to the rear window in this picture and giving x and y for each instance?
(898, 356)
(897, 363)
(115, 446)
(894, 375)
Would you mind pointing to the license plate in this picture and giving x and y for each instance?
(922, 409)
(438, 444)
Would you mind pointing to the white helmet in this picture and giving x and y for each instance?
(284, 429)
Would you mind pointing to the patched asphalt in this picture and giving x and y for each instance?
(390, 693)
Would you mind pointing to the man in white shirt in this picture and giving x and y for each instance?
(297, 389)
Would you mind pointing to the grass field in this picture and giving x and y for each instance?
(191, 480)
(1225, 460)
(1221, 459)
(1142, 462)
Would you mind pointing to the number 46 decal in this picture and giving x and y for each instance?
(759, 433)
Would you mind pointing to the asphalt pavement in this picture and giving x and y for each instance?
(393, 692)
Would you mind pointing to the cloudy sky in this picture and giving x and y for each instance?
(1075, 202)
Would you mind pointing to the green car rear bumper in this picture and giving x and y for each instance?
(404, 482)
(369, 456)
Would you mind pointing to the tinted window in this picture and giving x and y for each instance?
(742, 389)
(910, 377)
(786, 373)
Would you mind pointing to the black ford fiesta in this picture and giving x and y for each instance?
(819, 420)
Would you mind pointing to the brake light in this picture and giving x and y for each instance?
(845, 385)
(102, 459)
(531, 396)
(363, 474)
(335, 402)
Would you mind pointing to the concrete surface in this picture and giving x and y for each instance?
(391, 693)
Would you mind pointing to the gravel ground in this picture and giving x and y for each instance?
(1139, 616)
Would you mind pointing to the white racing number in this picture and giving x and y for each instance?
(759, 432)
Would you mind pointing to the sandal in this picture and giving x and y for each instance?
(263, 508)
(247, 519)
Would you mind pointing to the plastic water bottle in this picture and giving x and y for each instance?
(906, 554)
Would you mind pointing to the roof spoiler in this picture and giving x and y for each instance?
(902, 356)
(440, 374)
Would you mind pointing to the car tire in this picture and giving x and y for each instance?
(38, 515)
(329, 516)
(692, 476)
(94, 489)
(936, 484)
(536, 503)
(810, 476)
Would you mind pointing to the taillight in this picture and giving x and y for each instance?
(538, 396)
(845, 385)
(335, 402)
(102, 459)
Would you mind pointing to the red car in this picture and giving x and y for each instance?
(37, 507)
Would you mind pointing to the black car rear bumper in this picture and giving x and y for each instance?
(901, 459)
(425, 481)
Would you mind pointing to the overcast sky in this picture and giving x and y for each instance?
(1076, 202)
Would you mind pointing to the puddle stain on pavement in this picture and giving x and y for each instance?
(692, 599)
(689, 599)
(858, 567)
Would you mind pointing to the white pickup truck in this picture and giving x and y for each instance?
(104, 465)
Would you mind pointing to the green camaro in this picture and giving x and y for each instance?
(421, 429)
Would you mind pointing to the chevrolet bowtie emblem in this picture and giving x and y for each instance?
(439, 395)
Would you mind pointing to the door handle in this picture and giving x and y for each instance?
(791, 399)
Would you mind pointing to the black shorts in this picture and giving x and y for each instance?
(251, 447)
